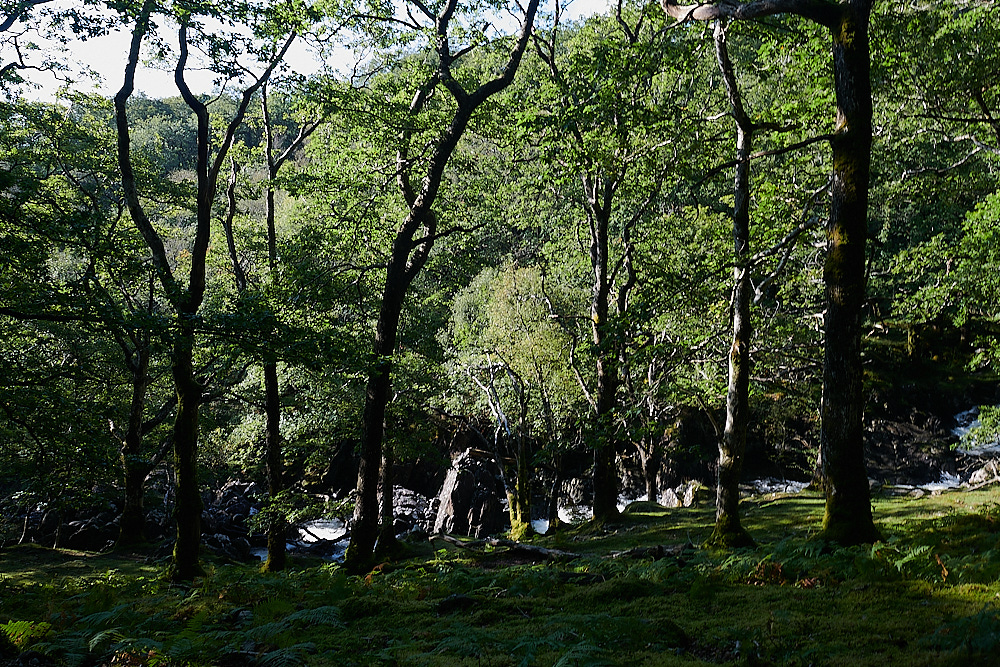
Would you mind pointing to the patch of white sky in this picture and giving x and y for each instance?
(97, 65)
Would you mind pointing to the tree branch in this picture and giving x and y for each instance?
(820, 11)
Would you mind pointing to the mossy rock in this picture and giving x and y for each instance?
(645, 507)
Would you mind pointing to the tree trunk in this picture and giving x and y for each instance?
(277, 526)
(187, 510)
(729, 531)
(605, 395)
(848, 518)
(605, 472)
(132, 522)
(520, 512)
(387, 531)
(650, 457)
(364, 531)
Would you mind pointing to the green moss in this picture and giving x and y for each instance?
(924, 596)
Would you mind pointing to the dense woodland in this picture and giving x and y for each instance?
(592, 259)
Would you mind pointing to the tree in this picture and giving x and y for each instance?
(509, 364)
(607, 74)
(409, 251)
(186, 300)
(848, 518)
(88, 276)
(274, 159)
(728, 529)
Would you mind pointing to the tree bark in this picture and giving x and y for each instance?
(187, 509)
(276, 556)
(650, 457)
(132, 522)
(598, 197)
(729, 531)
(848, 518)
(364, 531)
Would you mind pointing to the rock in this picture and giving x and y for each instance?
(237, 549)
(693, 493)
(987, 474)
(471, 498)
(575, 491)
(669, 498)
(90, 536)
(643, 507)
(411, 510)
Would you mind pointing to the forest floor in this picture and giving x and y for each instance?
(928, 595)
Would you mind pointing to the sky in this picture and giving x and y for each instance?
(106, 57)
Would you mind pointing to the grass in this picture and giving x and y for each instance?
(928, 595)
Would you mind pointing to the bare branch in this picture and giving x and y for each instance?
(820, 11)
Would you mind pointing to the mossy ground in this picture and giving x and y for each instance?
(928, 595)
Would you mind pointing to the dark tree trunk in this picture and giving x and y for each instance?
(605, 395)
(848, 518)
(387, 531)
(650, 457)
(364, 531)
(277, 526)
(188, 507)
(729, 531)
(132, 522)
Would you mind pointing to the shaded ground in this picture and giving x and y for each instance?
(926, 596)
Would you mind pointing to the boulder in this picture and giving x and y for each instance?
(693, 493)
(471, 500)
(669, 498)
(987, 474)
(90, 535)
(412, 510)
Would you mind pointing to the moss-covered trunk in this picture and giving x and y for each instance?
(728, 528)
(606, 392)
(848, 518)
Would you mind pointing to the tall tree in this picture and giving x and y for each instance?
(409, 251)
(275, 158)
(848, 517)
(186, 299)
(606, 74)
(728, 529)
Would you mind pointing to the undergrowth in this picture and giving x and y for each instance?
(927, 595)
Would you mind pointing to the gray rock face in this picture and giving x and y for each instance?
(688, 494)
(987, 474)
(471, 500)
(412, 510)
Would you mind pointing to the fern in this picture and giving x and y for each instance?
(23, 634)
(583, 654)
(327, 615)
(268, 632)
(286, 657)
(111, 636)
